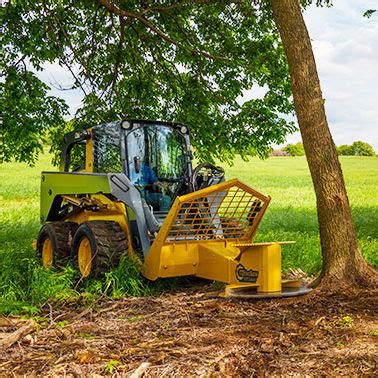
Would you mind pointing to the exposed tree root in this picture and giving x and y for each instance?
(360, 275)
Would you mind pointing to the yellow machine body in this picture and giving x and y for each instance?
(207, 233)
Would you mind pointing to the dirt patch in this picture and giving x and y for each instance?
(195, 333)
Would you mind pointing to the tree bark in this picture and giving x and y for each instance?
(342, 260)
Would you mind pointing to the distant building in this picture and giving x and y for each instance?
(278, 153)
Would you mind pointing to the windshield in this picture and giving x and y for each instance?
(157, 162)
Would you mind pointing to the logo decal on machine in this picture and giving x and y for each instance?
(246, 275)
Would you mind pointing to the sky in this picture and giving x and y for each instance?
(345, 46)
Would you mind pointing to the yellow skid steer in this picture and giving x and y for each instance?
(129, 188)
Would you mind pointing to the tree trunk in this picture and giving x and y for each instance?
(342, 260)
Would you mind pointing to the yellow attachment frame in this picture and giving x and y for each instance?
(228, 211)
(209, 233)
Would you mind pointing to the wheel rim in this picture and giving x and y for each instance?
(84, 257)
(47, 253)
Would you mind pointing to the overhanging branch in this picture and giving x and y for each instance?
(140, 16)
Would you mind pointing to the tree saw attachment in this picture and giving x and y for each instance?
(208, 234)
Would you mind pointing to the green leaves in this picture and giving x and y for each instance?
(294, 149)
(356, 149)
(190, 62)
(369, 13)
(27, 113)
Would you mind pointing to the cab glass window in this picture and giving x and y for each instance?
(106, 148)
(157, 162)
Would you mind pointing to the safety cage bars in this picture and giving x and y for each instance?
(230, 210)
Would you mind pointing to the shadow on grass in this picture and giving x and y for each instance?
(16, 238)
(300, 225)
(25, 285)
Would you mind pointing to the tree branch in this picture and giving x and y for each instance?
(140, 17)
(119, 51)
(190, 2)
(50, 30)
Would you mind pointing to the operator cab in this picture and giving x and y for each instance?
(158, 161)
(154, 155)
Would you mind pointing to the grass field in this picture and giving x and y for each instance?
(292, 211)
(291, 216)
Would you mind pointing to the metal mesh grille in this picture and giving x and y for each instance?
(232, 213)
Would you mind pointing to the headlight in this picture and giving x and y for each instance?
(184, 129)
(126, 125)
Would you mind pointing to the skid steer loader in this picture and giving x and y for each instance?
(128, 187)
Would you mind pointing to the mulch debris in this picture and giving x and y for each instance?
(193, 332)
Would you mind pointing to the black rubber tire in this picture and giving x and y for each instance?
(60, 234)
(108, 243)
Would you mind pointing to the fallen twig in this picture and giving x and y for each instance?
(13, 337)
(5, 322)
(138, 372)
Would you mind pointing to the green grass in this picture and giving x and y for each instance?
(25, 286)
(292, 212)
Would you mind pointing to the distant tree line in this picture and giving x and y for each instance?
(355, 149)
(294, 149)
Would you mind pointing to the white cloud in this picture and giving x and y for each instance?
(57, 77)
(346, 51)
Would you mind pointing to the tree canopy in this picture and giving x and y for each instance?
(185, 61)
(190, 61)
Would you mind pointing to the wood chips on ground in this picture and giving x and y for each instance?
(192, 332)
